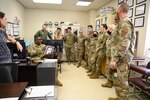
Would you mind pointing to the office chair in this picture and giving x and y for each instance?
(8, 72)
(141, 82)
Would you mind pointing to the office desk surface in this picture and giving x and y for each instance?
(12, 89)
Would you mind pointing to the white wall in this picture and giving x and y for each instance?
(142, 30)
(36, 17)
(12, 8)
(92, 17)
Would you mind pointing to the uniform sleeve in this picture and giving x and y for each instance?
(100, 41)
(31, 51)
(121, 42)
(75, 38)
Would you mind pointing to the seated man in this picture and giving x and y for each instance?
(36, 52)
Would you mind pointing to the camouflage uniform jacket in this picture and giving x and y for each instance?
(36, 51)
(93, 44)
(101, 43)
(69, 40)
(108, 46)
(81, 42)
(123, 41)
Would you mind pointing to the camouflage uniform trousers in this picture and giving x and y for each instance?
(86, 55)
(120, 79)
(80, 55)
(109, 72)
(100, 56)
(70, 53)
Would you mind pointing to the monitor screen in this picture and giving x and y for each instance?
(14, 51)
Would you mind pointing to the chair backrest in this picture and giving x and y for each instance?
(8, 72)
(148, 65)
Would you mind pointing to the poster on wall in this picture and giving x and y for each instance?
(16, 30)
(130, 2)
(9, 28)
(140, 10)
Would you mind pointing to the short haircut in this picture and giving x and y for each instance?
(124, 7)
(35, 37)
(105, 26)
(96, 32)
(58, 28)
(69, 28)
(90, 26)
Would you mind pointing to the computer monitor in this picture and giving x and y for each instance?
(14, 51)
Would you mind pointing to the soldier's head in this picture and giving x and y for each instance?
(95, 34)
(37, 40)
(111, 29)
(58, 30)
(81, 33)
(3, 20)
(69, 29)
(103, 28)
(44, 26)
(90, 28)
(122, 10)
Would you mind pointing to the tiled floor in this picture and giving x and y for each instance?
(78, 86)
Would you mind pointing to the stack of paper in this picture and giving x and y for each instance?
(39, 91)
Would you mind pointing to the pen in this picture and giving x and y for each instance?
(48, 94)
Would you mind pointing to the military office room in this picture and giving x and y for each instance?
(74, 50)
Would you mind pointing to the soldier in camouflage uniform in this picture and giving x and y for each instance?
(69, 40)
(92, 58)
(100, 50)
(37, 49)
(122, 53)
(81, 48)
(109, 72)
(87, 45)
(36, 52)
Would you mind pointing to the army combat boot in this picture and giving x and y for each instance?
(88, 71)
(78, 65)
(111, 98)
(95, 76)
(108, 84)
(59, 83)
(91, 73)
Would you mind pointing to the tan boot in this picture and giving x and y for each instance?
(88, 71)
(111, 98)
(78, 65)
(108, 84)
(59, 83)
(91, 73)
(94, 76)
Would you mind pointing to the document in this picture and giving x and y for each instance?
(11, 98)
(50, 60)
(39, 91)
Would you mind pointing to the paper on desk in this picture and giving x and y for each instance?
(11, 98)
(49, 60)
(40, 91)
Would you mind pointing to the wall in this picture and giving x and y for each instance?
(92, 16)
(12, 8)
(142, 30)
(36, 17)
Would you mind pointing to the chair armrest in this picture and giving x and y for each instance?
(140, 69)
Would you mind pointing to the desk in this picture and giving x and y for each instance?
(27, 73)
(12, 89)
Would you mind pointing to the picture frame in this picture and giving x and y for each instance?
(130, 2)
(140, 1)
(120, 2)
(49, 49)
(139, 21)
(130, 13)
(140, 10)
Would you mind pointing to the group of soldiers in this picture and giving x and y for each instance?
(115, 43)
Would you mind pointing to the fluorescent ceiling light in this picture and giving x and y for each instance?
(48, 1)
(83, 3)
